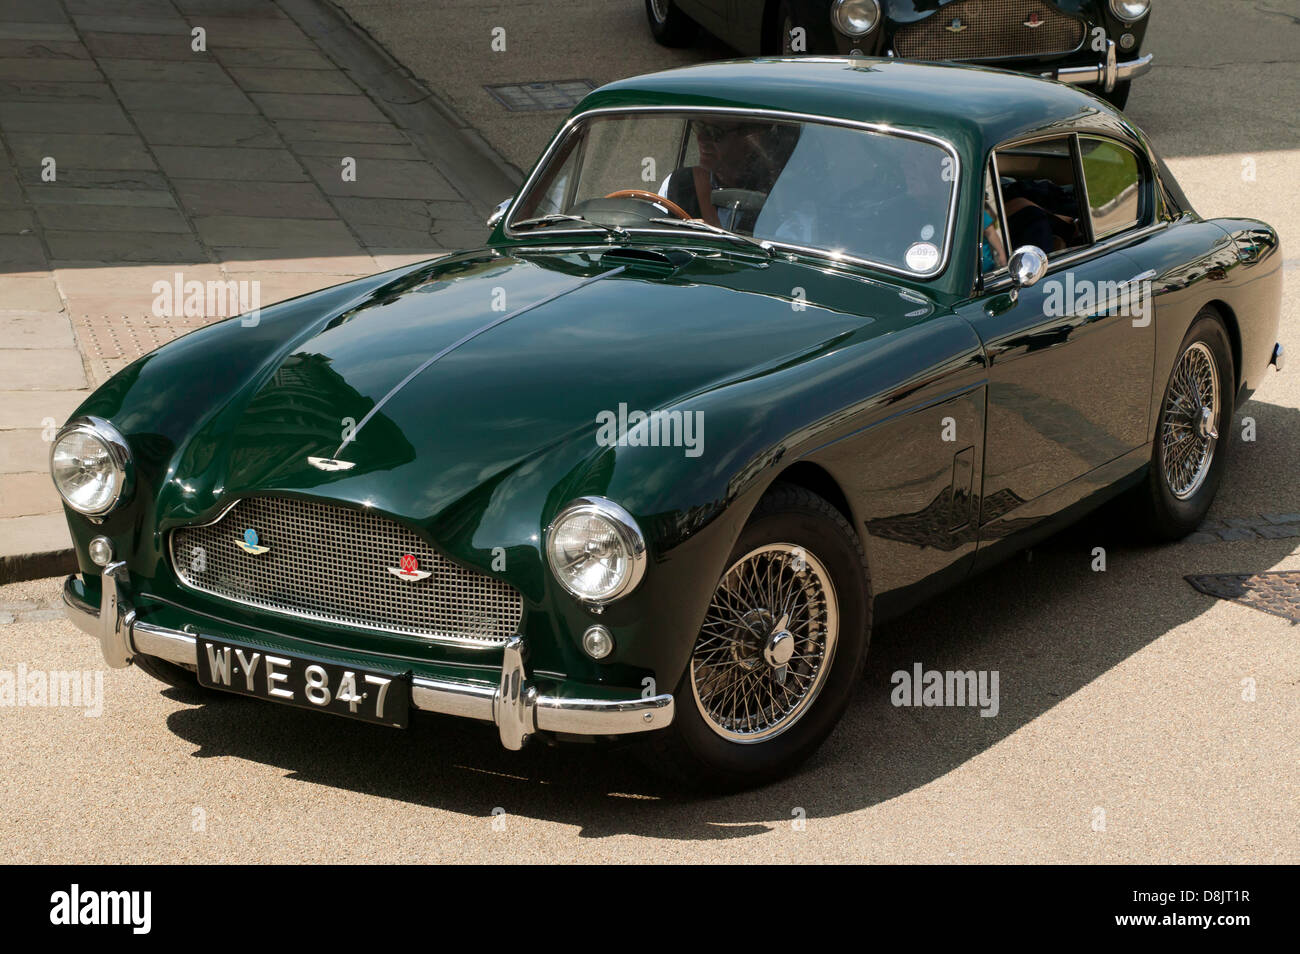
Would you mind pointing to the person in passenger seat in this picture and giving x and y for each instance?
(1038, 214)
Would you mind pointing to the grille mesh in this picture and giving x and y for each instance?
(331, 563)
(994, 28)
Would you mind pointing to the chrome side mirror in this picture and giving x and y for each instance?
(499, 212)
(1028, 265)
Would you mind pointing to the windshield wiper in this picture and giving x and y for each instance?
(700, 226)
(565, 217)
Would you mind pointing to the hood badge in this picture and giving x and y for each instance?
(329, 463)
(1034, 22)
(956, 26)
(409, 570)
(250, 544)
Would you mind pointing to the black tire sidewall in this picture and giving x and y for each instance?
(833, 544)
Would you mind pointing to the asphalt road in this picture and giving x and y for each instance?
(1124, 732)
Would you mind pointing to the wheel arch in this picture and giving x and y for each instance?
(1233, 328)
(813, 477)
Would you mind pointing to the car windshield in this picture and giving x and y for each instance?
(881, 197)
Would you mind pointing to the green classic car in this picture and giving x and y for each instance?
(1095, 43)
(762, 353)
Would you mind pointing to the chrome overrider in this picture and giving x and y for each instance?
(515, 706)
(1107, 74)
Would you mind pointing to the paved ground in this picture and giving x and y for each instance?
(129, 157)
(1121, 706)
(1140, 720)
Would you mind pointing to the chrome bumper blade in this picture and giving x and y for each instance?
(515, 705)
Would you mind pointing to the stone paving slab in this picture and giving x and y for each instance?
(199, 166)
(27, 409)
(36, 331)
(28, 292)
(42, 369)
(23, 451)
(83, 150)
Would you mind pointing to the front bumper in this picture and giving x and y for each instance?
(1107, 74)
(515, 705)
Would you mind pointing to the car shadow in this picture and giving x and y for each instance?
(1045, 620)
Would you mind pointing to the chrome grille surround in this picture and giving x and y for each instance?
(330, 563)
(995, 29)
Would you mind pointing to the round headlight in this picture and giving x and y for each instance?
(596, 550)
(855, 17)
(1130, 9)
(89, 462)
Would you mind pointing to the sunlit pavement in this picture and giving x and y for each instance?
(1138, 720)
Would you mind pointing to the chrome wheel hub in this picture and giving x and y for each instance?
(660, 9)
(1189, 433)
(766, 644)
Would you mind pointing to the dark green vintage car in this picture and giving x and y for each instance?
(762, 352)
(1095, 43)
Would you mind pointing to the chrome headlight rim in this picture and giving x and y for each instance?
(840, 16)
(1117, 8)
(630, 536)
(119, 455)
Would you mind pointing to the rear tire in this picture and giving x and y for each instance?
(1186, 462)
(668, 25)
(750, 706)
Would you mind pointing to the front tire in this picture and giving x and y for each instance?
(668, 25)
(1191, 440)
(780, 652)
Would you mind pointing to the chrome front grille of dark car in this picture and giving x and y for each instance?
(331, 563)
(990, 29)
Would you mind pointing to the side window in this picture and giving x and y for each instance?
(1115, 185)
(1040, 196)
(993, 240)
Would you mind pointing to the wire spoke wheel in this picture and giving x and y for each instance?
(1189, 433)
(766, 644)
(660, 9)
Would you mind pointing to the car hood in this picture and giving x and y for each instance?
(491, 366)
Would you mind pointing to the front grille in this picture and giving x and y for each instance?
(332, 563)
(992, 29)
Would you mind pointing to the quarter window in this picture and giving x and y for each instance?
(1114, 181)
(1040, 196)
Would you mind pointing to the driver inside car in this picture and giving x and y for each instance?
(733, 155)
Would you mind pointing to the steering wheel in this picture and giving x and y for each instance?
(646, 196)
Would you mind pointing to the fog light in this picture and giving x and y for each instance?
(598, 642)
(1127, 41)
(101, 551)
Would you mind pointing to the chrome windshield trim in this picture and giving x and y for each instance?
(773, 114)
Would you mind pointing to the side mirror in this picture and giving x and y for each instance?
(1028, 265)
(499, 212)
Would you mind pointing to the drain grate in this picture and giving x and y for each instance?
(535, 97)
(1276, 592)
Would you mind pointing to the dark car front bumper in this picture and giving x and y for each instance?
(1107, 74)
(517, 705)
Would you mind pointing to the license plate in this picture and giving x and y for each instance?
(366, 694)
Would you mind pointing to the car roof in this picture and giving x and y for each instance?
(974, 106)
